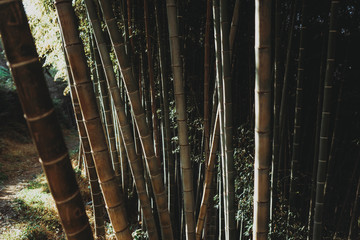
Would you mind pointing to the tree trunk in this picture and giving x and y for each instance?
(262, 118)
(41, 119)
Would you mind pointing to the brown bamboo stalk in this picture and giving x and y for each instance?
(262, 118)
(229, 193)
(108, 117)
(181, 118)
(41, 118)
(153, 165)
(126, 131)
(95, 191)
(208, 178)
(325, 124)
(155, 120)
(80, 72)
(168, 156)
(206, 80)
(234, 26)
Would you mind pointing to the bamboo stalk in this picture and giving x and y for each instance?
(229, 192)
(113, 199)
(126, 132)
(296, 148)
(186, 168)
(208, 178)
(153, 165)
(41, 119)
(262, 118)
(96, 195)
(325, 123)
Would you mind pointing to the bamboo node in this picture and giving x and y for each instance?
(23, 63)
(68, 198)
(44, 115)
(79, 231)
(54, 161)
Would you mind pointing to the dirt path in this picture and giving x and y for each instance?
(20, 164)
(8, 194)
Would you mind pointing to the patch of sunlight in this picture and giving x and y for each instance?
(37, 196)
(23, 231)
(36, 213)
(13, 233)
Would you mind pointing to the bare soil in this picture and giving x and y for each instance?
(19, 164)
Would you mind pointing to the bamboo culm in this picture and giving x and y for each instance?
(180, 105)
(74, 48)
(126, 131)
(262, 118)
(41, 118)
(325, 124)
(153, 166)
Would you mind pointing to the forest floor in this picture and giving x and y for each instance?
(27, 210)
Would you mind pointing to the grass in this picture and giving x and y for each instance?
(36, 214)
(32, 213)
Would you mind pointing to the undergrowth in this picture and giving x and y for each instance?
(35, 209)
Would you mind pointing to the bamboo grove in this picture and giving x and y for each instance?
(209, 119)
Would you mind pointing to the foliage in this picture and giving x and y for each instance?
(44, 27)
(139, 234)
(6, 79)
(244, 180)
